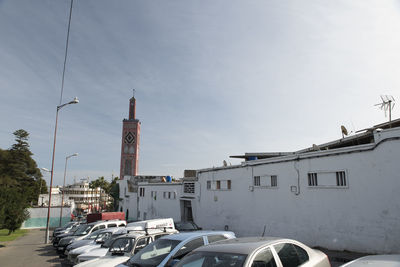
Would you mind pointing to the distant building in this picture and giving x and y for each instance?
(86, 199)
(130, 143)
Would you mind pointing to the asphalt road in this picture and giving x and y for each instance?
(29, 250)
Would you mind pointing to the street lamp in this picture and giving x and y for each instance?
(75, 101)
(65, 172)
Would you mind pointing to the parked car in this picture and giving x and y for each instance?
(84, 231)
(97, 252)
(256, 252)
(65, 229)
(125, 246)
(93, 241)
(375, 261)
(168, 250)
(60, 235)
(187, 226)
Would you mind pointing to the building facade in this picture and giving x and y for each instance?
(342, 195)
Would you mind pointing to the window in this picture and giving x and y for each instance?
(164, 194)
(264, 258)
(121, 246)
(208, 185)
(188, 188)
(312, 179)
(327, 179)
(291, 255)
(141, 192)
(215, 238)
(169, 195)
(274, 180)
(112, 225)
(188, 247)
(218, 185)
(265, 181)
(228, 184)
(141, 243)
(341, 178)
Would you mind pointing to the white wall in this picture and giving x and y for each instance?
(156, 205)
(364, 216)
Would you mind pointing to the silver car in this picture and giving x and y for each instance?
(255, 252)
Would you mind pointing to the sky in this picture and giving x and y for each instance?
(213, 78)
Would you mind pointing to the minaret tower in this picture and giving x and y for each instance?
(130, 143)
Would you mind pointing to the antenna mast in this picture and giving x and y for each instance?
(387, 105)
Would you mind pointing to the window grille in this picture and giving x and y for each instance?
(257, 181)
(341, 178)
(312, 179)
(188, 188)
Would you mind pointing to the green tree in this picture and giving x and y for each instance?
(20, 182)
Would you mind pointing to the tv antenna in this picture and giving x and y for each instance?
(387, 105)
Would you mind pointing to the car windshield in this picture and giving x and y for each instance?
(154, 253)
(122, 245)
(83, 230)
(212, 259)
(109, 241)
(68, 225)
(92, 236)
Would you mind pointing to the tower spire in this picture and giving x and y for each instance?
(132, 106)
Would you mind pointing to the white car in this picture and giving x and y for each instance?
(375, 261)
(123, 247)
(255, 252)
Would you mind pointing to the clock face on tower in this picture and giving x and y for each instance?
(129, 138)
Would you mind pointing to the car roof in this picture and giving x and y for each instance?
(376, 260)
(187, 235)
(244, 245)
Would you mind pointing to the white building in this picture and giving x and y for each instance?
(340, 195)
(86, 199)
(130, 194)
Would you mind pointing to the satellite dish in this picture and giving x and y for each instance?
(315, 147)
(344, 131)
(224, 163)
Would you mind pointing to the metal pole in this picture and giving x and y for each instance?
(51, 180)
(62, 198)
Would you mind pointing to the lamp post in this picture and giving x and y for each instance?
(75, 101)
(65, 172)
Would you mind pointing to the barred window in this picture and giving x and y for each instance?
(188, 188)
(312, 179)
(341, 178)
(257, 181)
(274, 180)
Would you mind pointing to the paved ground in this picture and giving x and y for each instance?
(30, 251)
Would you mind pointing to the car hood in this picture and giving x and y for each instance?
(97, 252)
(65, 235)
(80, 243)
(104, 262)
(84, 249)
